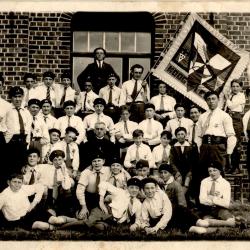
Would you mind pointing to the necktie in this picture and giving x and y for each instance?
(100, 64)
(149, 127)
(162, 103)
(193, 132)
(45, 118)
(68, 121)
(97, 181)
(55, 187)
(48, 93)
(46, 158)
(164, 155)
(126, 127)
(179, 122)
(84, 103)
(98, 118)
(63, 97)
(114, 181)
(32, 177)
(206, 124)
(110, 95)
(134, 93)
(21, 123)
(137, 156)
(32, 128)
(212, 190)
(68, 159)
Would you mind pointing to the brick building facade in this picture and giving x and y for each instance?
(36, 42)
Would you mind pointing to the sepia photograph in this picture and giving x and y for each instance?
(124, 123)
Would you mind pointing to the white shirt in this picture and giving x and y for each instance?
(120, 179)
(29, 94)
(27, 175)
(49, 119)
(89, 104)
(236, 103)
(159, 205)
(169, 103)
(50, 147)
(74, 153)
(87, 182)
(12, 123)
(173, 124)
(15, 205)
(116, 94)
(40, 129)
(120, 203)
(40, 93)
(155, 131)
(120, 129)
(194, 125)
(70, 95)
(222, 187)
(73, 121)
(144, 154)
(158, 152)
(4, 108)
(220, 124)
(127, 90)
(245, 120)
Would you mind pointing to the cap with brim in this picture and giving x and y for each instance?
(134, 182)
(49, 74)
(14, 91)
(148, 180)
(116, 160)
(34, 102)
(97, 155)
(99, 101)
(166, 167)
(142, 164)
(46, 101)
(69, 103)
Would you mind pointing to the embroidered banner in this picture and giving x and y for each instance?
(201, 59)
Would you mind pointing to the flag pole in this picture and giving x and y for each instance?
(162, 54)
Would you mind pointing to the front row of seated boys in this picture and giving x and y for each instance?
(43, 197)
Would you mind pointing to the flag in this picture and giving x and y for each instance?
(199, 60)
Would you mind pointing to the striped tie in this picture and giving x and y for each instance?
(48, 93)
(32, 128)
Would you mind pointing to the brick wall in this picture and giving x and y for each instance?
(37, 42)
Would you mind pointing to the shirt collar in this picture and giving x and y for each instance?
(217, 180)
(170, 180)
(184, 144)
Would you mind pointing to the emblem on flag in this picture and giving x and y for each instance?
(201, 59)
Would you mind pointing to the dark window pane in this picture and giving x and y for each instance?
(127, 42)
(145, 62)
(112, 41)
(143, 42)
(80, 41)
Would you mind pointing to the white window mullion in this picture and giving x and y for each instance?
(104, 40)
(135, 43)
(88, 37)
(120, 41)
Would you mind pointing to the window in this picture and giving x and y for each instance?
(126, 42)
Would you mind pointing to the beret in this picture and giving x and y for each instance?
(56, 153)
(149, 106)
(166, 167)
(66, 74)
(134, 182)
(49, 74)
(69, 103)
(215, 164)
(46, 101)
(148, 180)
(116, 159)
(52, 130)
(34, 101)
(142, 164)
(97, 155)
(99, 101)
(15, 91)
(72, 129)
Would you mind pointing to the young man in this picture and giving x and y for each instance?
(181, 158)
(156, 208)
(98, 71)
(47, 89)
(54, 144)
(123, 204)
(87, 98)
(17, 211)
(138, 151)
(152, 129)
(17, 136)
(71, 120)
(179, 121)
(216, 136)
(112, 96)
(235, 104)
(90, 120)
(65, 93)
(87, 188)
(70, 148)
(135, 93)
(215, 196)
(164, 105)
(182, 217)
(161, 153)
(119, 176)
(142, 169)
(49, 119)
(39, 134)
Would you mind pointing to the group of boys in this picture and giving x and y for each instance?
(112, 157)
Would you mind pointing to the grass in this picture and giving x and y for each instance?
(121, 233)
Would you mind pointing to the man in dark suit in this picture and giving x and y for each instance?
(98, 71)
